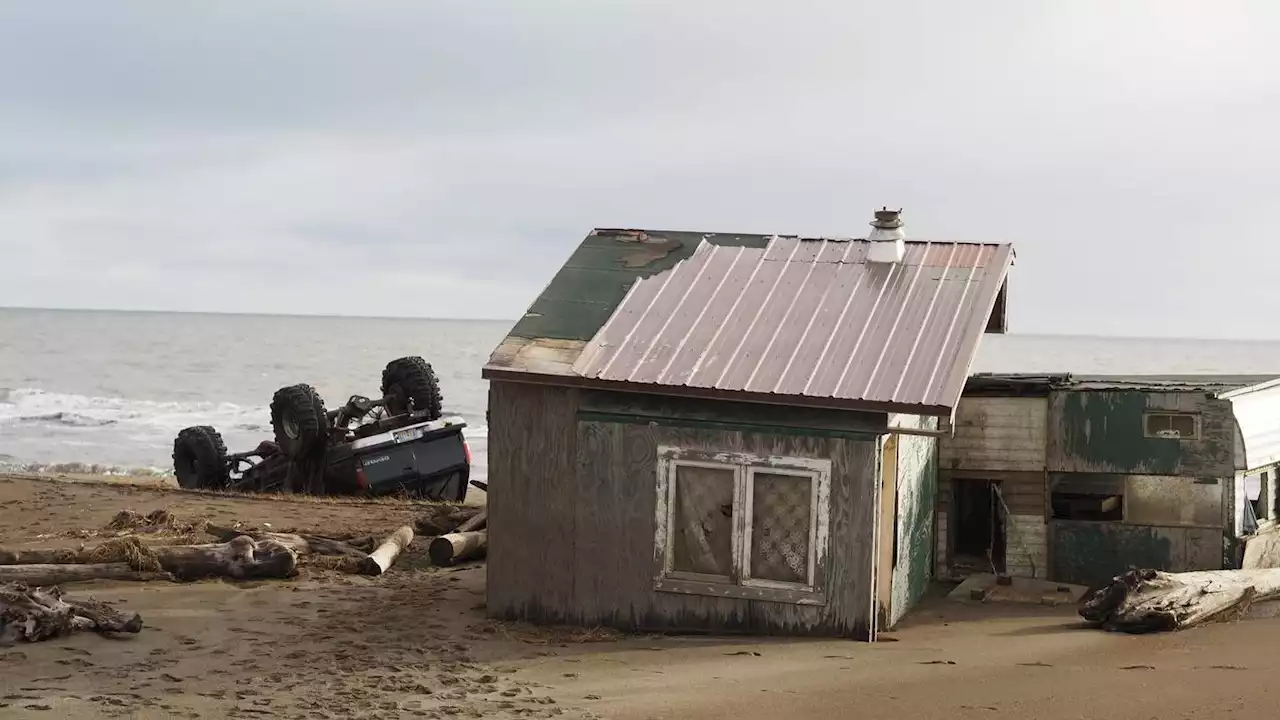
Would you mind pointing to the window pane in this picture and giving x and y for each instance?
(1184, 425)
(780, 527)
(1156, 423)
(702, 521)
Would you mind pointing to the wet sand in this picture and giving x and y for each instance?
(416, 643)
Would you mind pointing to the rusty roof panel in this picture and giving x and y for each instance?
(807, 318)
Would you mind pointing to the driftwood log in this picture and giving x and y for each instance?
(241, 558)
(128, 558)
(458, 547)
(31, 614)
(475, 522)
(381, 558)
(1142, 601)
(301, 544)
(56, 574)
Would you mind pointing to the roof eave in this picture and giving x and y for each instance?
(576, 381)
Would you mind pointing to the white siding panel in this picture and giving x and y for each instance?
(1257, 414)
(997, 434)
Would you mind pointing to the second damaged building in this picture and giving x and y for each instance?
(731, 432)
(1076, 479)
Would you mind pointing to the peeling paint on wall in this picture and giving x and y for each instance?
(917, 491)
(1097, 431)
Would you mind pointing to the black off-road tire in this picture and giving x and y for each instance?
(200, 459)
(300, 421)
(412, 378)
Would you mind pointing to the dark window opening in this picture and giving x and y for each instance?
(978, 525)
(1087, 506)
(1179, 426)
(1085, 496)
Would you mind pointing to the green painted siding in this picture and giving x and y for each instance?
(1102, 431)
(1091, 553)
(584, 293)
(917, 489)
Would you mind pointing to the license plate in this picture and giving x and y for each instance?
(408, 435)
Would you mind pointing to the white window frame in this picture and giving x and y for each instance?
(1146, 423)
(739, 582)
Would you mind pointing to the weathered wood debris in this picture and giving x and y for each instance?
(31, 614)
(1142, 601)
(469, 541)
(162, 547)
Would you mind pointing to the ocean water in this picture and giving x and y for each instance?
(114, 388)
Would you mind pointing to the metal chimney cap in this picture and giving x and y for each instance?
(888, 219)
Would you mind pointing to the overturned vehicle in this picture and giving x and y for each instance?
(396, 444)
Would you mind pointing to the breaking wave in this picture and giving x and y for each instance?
(31, 406)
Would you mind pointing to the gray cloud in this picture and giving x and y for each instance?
(342, 156)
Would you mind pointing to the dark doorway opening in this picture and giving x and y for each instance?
(978, 540)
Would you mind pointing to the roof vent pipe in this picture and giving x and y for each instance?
(887, 238)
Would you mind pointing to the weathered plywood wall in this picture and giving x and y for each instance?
(531, 499)
(1102, 431)
(917, 488)
(997, 433)
(576, 499)
(1091, 553)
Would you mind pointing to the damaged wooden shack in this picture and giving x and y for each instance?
(1076, 479)
(718, 432)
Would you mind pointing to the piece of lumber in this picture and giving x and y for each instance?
(458, 547)
(379, 561)
(475, 522)
(56, 574)
(31, 614)
(1141, 601)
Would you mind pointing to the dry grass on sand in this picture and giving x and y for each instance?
(415, 643)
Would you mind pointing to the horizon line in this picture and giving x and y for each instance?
(257, 314)
(514, 320)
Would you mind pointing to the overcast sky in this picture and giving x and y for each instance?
(443, 158)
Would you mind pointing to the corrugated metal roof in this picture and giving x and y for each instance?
(807, 318)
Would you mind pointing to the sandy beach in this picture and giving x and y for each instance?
(416, 643)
